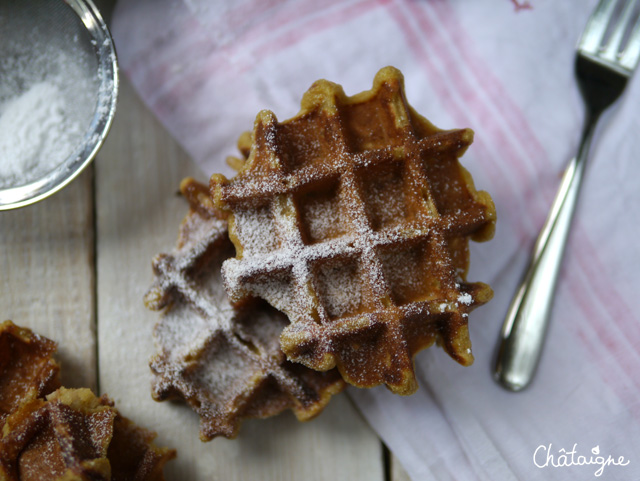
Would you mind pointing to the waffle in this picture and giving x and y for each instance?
(353, 218)
(225, 362)
(27, 369)
(73, 435)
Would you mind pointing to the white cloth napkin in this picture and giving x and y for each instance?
(207, 68)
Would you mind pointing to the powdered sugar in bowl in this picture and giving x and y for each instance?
(57, 96)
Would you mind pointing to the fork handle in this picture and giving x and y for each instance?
(525, 325)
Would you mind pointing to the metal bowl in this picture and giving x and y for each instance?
(68, 22)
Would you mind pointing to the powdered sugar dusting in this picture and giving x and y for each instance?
(47, 100)
(256, 231)
(278, 291)
(339, 288)
(214, 355)
(35, 134)
(222, 372)
(465, 298)
(385, 198)
(320, 218)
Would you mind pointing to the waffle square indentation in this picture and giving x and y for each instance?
(384, 195)
(257, 230)
(448, 187)
(341, 287)
(322, 213)
(307, 142)
(412, 272)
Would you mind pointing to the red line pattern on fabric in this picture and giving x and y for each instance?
(448, 89)
(587, 255)
(601, 287)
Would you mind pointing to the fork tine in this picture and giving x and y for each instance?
(631, 54)
(596, 26)
(617, 35)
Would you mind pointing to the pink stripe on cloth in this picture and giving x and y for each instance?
(159, 77)
(445, 90)
(311, 25)
(443, 49)
(253, 9)
(280, 23)
(588, 256)
(512, 113)
(619, 372)
(613, 339)
(603, 289)
(518, 168)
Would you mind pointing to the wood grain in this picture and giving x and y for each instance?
(47, 281)
(398, 473)
(138, 213)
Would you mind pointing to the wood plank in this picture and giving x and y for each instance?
(398, 473)
(47, 282)
(138, 213)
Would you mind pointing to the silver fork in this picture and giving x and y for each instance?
(603, 67)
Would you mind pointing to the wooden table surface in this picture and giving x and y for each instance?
(75, 268)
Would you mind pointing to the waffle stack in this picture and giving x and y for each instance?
(352, 219)
(48, 432)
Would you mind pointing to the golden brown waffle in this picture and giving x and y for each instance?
(27, 369)
(75, 436)
(225, 362)
(353, 218)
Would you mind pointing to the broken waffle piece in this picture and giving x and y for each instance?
(48, 432)
(225, 362)
(27, 369)
(353, 218)
(63, 437)
(132, 453)
(74, 435)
